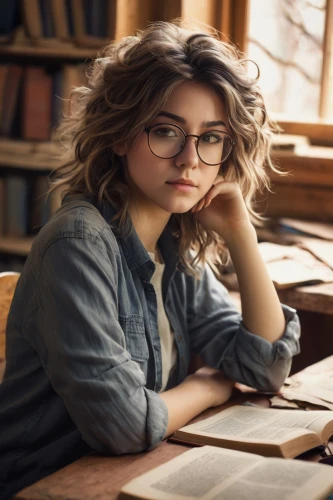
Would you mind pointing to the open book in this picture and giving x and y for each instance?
(269, 432)
(210, 473)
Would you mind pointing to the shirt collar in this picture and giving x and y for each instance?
(135, 253)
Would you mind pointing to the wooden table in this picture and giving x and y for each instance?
(101, 477)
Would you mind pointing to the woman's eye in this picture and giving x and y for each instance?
(212, 138)
(165, 132)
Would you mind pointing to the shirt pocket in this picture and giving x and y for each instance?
(136, 341)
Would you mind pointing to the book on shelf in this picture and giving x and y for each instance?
(210, 473)
(34, 98)
(10, 98)
(37, 100)
(86, 23)
(3, 79)
(2, 206)
(94, 23)
(16, 204)
(61, 25)
(266, 431)
(45, 22)
(24, 203)
(40, 203)
(8, 19)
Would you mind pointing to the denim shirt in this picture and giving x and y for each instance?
(83, 351)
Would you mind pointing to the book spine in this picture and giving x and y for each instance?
(32, 19)
(16, 205)
(60, 19)
(40, 203)
(10, 101)
(2, 206)
(37, 101)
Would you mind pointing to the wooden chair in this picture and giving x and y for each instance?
(8, 282)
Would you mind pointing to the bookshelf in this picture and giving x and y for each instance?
(42, 51)
(44, 46)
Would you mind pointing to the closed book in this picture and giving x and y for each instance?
(96, 16)
(2, 206)
(73, 76)
(47, 19)
(60, 18)
(40, 203)
(32, 19)
(16, 205)
(10, 98)
(57, 94)
(70, 19)
(3, 79)
(82, 11)
(8, 16)
(37, 103)
(112, 19)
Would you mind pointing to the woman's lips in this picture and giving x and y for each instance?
(179, 186)
(182, 185)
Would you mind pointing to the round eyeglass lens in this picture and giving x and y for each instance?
(166, 141)
(214, 147)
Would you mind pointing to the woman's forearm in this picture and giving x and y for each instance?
(203, 389)
(261, 308)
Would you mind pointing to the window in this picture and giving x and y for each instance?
(292, 43)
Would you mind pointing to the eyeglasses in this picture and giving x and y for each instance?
(166, 141)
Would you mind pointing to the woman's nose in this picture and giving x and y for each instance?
(188, 157)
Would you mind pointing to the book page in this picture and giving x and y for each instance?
(314, 381)
(258, 424)
(211, 473)
(305, 397)
(323, 250)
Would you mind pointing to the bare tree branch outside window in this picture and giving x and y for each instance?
(286, 41)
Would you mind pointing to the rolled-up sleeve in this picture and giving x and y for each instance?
(83, 348)
(218, 335)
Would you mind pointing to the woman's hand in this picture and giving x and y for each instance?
(223, 209)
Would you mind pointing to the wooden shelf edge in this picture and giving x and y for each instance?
(31, 155)
(16, 246)
(31, 163)
(48, 51)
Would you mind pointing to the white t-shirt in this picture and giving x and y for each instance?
(167, 337)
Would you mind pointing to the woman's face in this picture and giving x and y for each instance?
(159, 184)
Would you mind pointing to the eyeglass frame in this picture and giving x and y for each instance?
(232, 141)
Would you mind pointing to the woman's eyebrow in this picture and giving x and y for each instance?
(172, 116)
(181, 120)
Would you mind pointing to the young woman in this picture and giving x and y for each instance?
(166, 146)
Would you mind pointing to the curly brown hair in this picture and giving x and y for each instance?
(127, 86)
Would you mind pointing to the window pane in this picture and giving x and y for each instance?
(286, 41)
